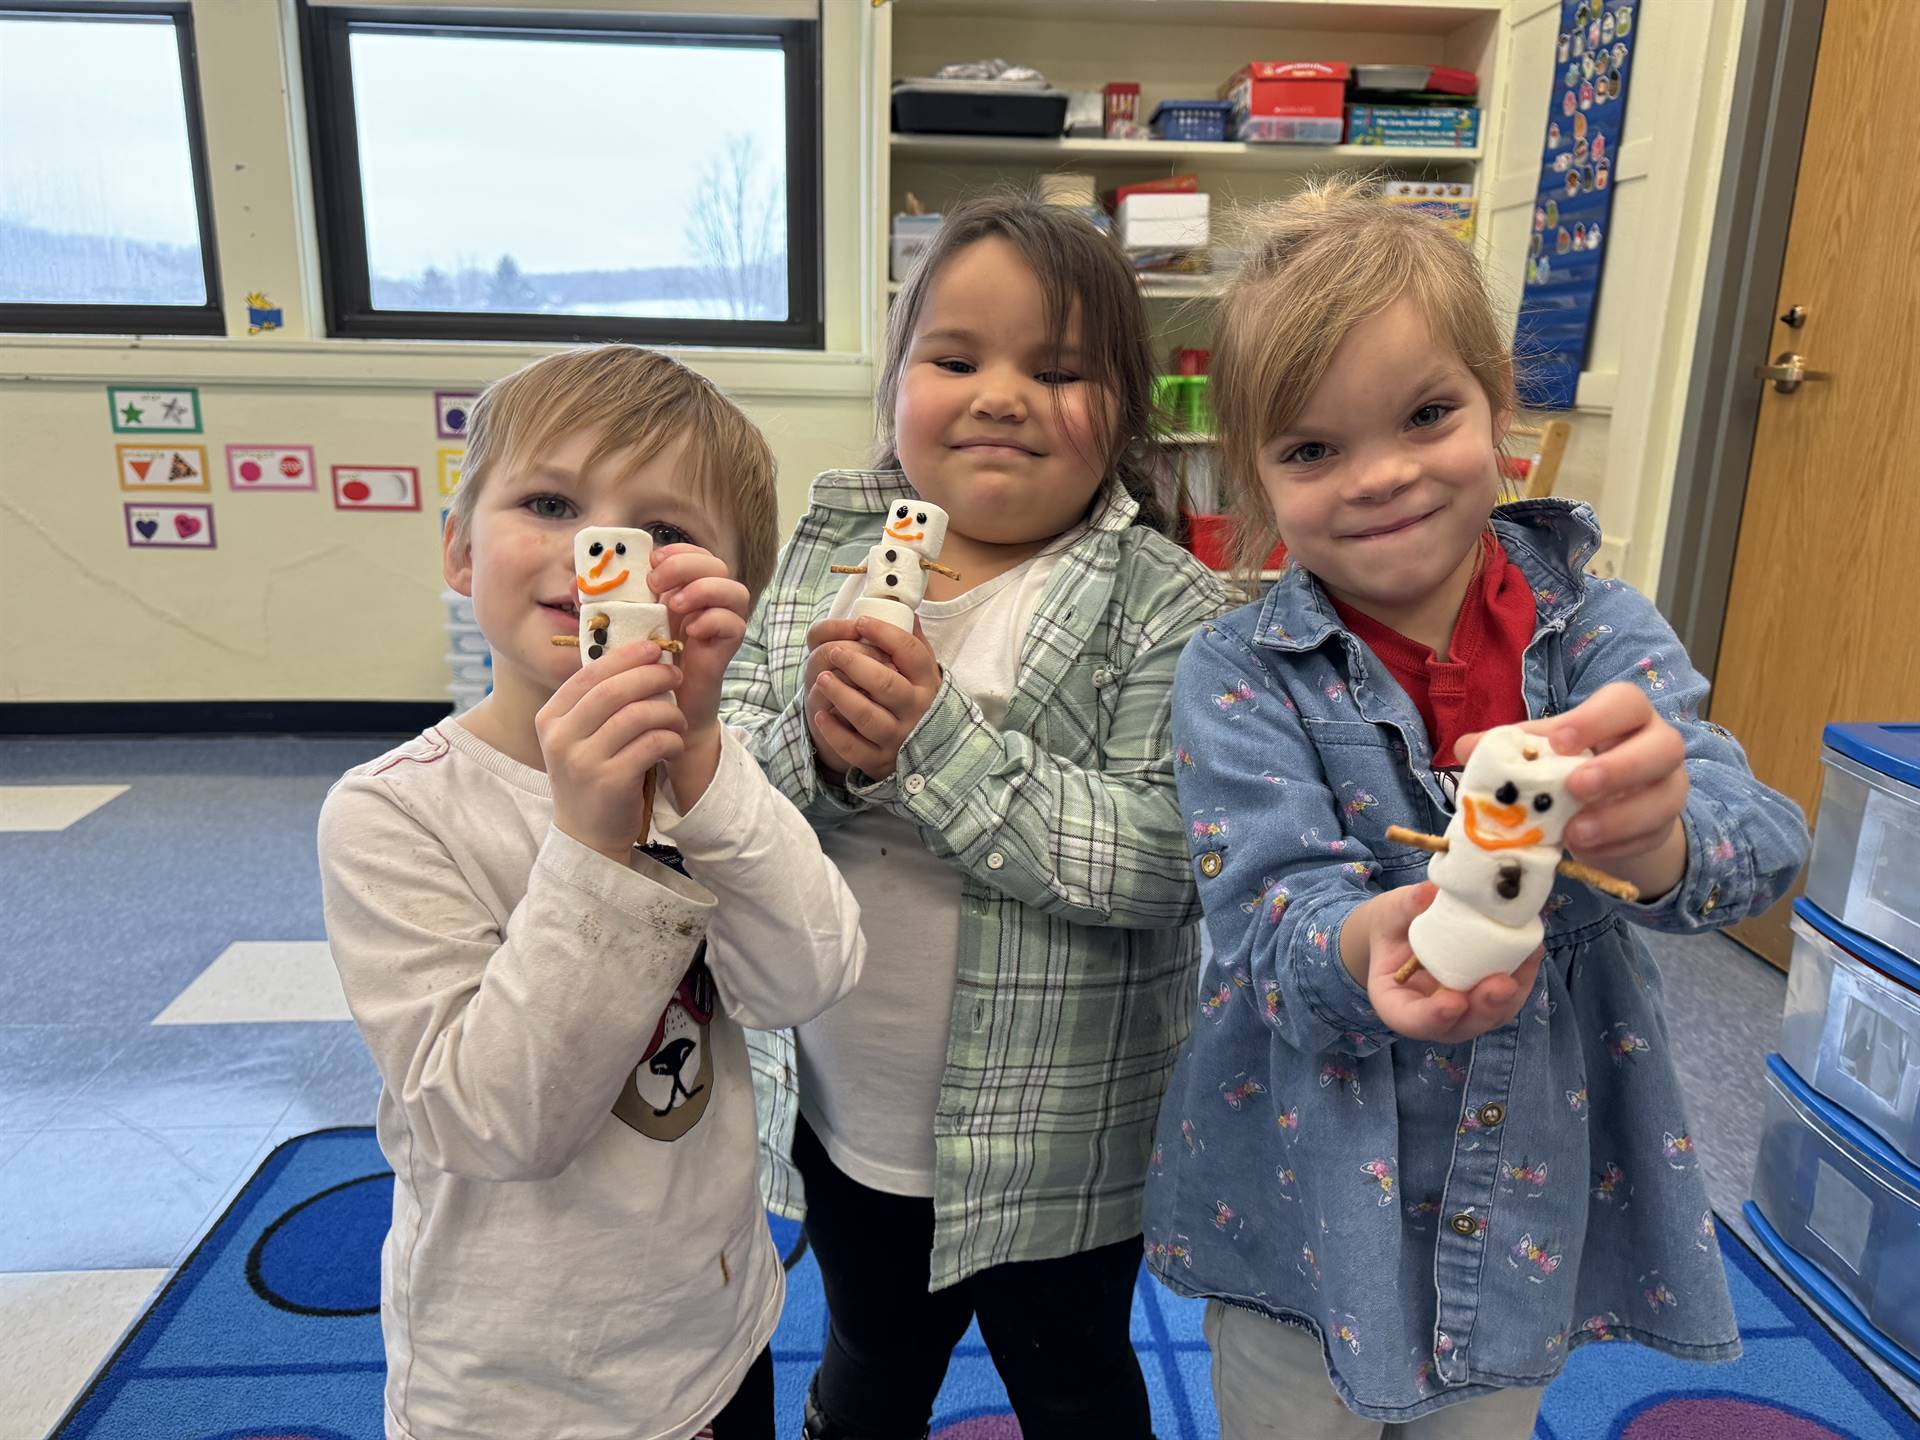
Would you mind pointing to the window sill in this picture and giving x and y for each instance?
(257, 362)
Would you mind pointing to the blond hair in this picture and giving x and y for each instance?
(640, 402)
(1318, 264)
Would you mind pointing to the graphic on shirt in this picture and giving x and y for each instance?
(1678, 1149)
(1611, 1186)
(1534, 1258)
(1346, 1330)
(1238, 694)
(1309, 1266)
(1659, 1296)
(1531, 1177)
(1622, 1044)
(672, 1084)
(1242, 1088)
(1382, 1174)
(1179, 1248)
(1289, 1181)
(1338, 1072)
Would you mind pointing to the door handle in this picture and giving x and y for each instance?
(1787, 372)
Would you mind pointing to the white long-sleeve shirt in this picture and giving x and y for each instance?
(578, 1244)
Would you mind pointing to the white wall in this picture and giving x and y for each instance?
(300, 601)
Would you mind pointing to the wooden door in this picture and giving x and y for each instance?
(1823, 618)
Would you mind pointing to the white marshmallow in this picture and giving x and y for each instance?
(612, 563)
(1503, 852)
(626, 623)
(896, 578)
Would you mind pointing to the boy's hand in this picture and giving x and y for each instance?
(1423, 1008)
(708, 610)
(1632, 793)
(602, 731)
(873, 692)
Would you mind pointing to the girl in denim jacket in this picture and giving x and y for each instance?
(1436, 1195)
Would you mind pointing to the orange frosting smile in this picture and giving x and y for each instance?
(1505, 816)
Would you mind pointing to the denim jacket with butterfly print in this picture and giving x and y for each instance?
(1448, 1218)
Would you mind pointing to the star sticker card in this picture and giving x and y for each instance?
(174, 410)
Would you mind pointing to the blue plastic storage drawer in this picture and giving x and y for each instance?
(1852, 1025)
(1844, 1201)
(1865, 870)
(1192, 120)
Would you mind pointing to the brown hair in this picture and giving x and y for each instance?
(640, 402)
(1317, 264)
(1075, 264)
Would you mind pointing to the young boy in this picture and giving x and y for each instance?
(578, 1246)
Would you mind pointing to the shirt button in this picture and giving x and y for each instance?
(1102, 676)
(1712, 900)
(1462, 1224)
(1492, 1114)
(914, 784)
(996, 860)
(1211, 864)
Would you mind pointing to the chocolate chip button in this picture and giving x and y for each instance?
(1492, 1114)
(594, 652)
(600, 637)
(893, 579)
(893, 556)
(1462, 1224)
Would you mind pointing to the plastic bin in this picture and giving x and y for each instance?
(1290, 130)
(471, 669)
(1191, 120)
(1841, 1199)
(950, 107)
(1865, 870)
(459, 608)
(1852, 1025)
(467, 639)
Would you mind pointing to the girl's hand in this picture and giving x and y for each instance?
(822, 637)
(707, 608)
(1632, 793)
(872, 702)
(1423, 1008)
(602, 731)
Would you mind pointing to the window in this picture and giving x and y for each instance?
(104, 223)
(492, 176)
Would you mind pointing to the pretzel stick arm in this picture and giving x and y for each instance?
(1600, 880)
(1418, 839)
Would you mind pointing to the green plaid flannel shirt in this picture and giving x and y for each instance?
(1078, 942)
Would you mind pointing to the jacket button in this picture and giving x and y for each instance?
(1492, 1114)
(1708, 905)
(1463, 1224)
(1210, 864)
(914, 784)
(996, 860)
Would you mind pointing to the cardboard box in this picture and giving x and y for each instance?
(1163, 221)
(1287, 87)
(1457, 125)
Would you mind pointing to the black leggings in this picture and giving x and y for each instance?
(749, 1414)
(1057, 1329)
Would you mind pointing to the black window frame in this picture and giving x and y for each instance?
(67, 318)
(340, 210)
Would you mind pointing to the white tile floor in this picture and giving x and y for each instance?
(262, 980)
(51, 807)
(55, 1328)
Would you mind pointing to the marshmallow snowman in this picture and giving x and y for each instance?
(1502, 852)
(610, 567)
(896, 568)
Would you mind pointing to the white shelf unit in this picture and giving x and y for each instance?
(1174, 50)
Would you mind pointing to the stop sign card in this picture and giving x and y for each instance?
(270, 467)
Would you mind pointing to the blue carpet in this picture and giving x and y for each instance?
(271, 1331)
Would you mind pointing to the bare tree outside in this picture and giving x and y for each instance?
(737, 232)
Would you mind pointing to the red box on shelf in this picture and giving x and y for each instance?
(1316, 88)
(1210, 538)
(1123, 105)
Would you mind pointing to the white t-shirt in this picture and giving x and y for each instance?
(870, 1068)
(578, 1245)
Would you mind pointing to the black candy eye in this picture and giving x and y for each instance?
(1543, 803)
(595, 548)
(1507, 793)
(921, 518)
(621, 548)
(901, 512)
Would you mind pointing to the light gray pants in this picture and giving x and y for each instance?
(1270, 1383)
